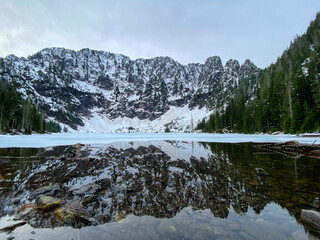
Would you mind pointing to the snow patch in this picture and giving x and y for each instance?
(178, 119)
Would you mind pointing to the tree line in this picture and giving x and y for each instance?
(287, 97)
(21, 115)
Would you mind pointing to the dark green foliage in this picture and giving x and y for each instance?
(116, 92)
(149, 89)
(20, 115)
(163, 94)
(175, 86)
(52, 126)
(289, 95)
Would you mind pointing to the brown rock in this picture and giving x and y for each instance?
(311, 217)
(46, 203)
(75, 213)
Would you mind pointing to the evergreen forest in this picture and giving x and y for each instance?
(19, 115)
(287, 97)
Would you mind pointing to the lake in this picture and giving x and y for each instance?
(156, 189)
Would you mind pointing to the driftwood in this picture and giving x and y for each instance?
(313, 135)
(12, 227)
(292, 149)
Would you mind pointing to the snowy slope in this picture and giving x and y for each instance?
(178, 119)
(98, 91)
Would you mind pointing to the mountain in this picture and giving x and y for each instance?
(91, 90)
(285, 97)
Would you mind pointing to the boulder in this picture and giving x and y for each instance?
(89, 189)
(47, 190)
(311, 217)
(78, 145)
(74, 213)
(46, 203)
(261, 172)
(26, 210)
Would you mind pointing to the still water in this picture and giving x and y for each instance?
(156, 190)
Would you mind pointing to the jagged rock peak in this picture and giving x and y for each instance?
(214, 62)
(248, 62)
(55, 51)
(162, 58)
(248, 68)
(12, 57)
(232, 64)
(91, 86)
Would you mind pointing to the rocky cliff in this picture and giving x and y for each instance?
(90, 90)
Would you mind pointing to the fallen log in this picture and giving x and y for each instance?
(292, 149)
(12, 227)
(311, 135)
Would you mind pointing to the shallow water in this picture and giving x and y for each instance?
(162, 190)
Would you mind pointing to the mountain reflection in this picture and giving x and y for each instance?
(110, 182)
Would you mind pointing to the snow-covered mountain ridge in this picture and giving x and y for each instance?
(98, 91)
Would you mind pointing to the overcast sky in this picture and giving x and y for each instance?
(186, 30)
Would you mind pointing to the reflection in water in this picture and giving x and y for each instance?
(98, 184)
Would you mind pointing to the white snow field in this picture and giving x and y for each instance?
(180, 119)
(59, 139)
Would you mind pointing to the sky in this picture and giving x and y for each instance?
(186, 30)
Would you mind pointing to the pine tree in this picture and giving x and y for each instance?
(175, 86)
(116, 92)
(164, 93)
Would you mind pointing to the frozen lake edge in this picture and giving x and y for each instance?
(60, 139)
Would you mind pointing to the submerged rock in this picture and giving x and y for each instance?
(46, 203)
(75, 214)
(26, 210)
(47, 190)
(292, 149)
(78, 145)
(89, 189)
(261, 172)
(311, 217)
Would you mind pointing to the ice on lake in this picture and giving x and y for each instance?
(46, 140)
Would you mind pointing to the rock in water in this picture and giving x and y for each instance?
(260, 171)
(26, 210)
(89, 189)
(47, 190)
(46, 203)
(311, 217)
(74, 213)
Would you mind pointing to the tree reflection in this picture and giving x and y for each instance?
(148, 180)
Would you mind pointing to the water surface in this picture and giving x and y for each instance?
(161, 190)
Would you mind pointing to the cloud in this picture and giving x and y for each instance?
(188, 31)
